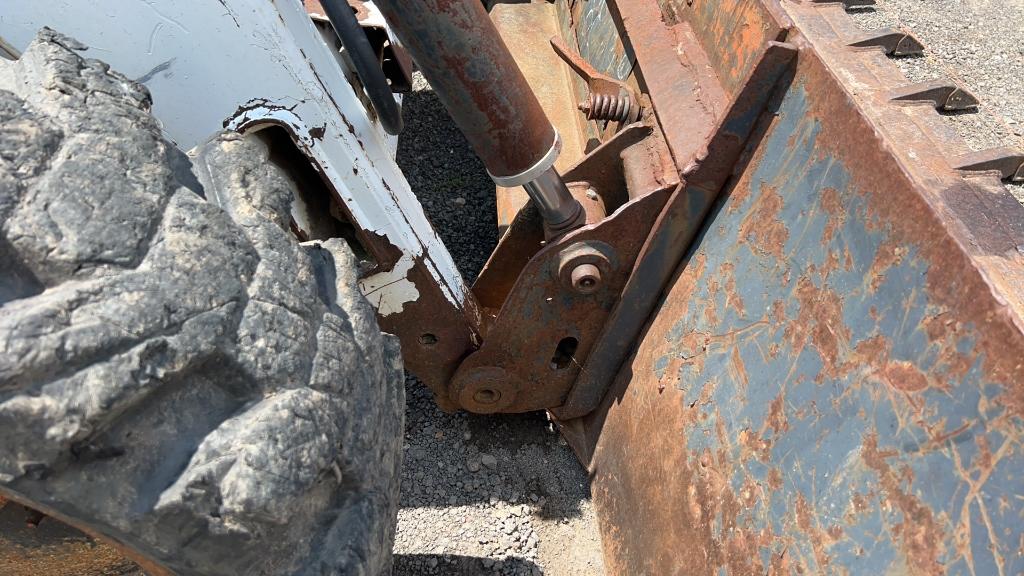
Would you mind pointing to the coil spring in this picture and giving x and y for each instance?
(606, 107)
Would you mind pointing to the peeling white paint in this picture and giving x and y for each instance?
(390, 291)
(239, 61)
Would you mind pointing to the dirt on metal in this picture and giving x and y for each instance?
(32, 544)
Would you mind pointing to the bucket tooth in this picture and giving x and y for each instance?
(1009, 163)
(893, 41)
(945, 95)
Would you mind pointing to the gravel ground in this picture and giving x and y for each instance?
(480, 494)
(979, 44)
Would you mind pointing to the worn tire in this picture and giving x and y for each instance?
(177, 374)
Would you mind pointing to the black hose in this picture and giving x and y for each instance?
(365, 60)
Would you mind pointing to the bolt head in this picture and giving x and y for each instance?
(586, 278)
(486, 396)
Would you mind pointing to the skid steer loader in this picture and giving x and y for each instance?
(772, 303)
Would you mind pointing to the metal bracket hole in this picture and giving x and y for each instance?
(564, 353)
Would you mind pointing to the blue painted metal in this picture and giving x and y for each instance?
(675, 229)
(595, 33)
(828, 385)
(600, 43)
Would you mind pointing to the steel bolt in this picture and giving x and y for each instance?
(586, 278)
(486, 396)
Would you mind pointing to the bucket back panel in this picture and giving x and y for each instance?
(731, 32)
(830, 383)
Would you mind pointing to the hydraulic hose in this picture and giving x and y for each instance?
(363, 57)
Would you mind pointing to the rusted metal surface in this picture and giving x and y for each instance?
(599, 41)
(544, 302)
(517, 368)
(607, 99)
(435, 336)
(525, 28)
(605, 170)
(316, 10)
(459, 51)
(674, 70)
(458, 48)
(633, 163)
(595, 37)
(732, 33)
(674, 230)
(832, 383)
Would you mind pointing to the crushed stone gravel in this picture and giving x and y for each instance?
(978, 44)
(496, 494)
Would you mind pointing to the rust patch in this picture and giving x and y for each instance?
(642, 469)
(940, 327)
(688, 283)
(904, 376)
(819, 321)
(541, 309)
(900, 375)
(984, 460)
(919, 535)
(777, 420)
(944, 332)
(830, 265)
(762, 227)
(808, 525)
(832, 204)
(889, 254)
(754, 445)
(859, 504)
(739, 371)
(318, 132)
(732, 297)
(692, 349)
(710, 306)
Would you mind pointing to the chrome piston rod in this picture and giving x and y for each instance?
(460, 52)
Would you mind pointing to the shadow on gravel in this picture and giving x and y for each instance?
(454, 565)
(466, 459)
(533, 466)
(478, 492)
(442, 169)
